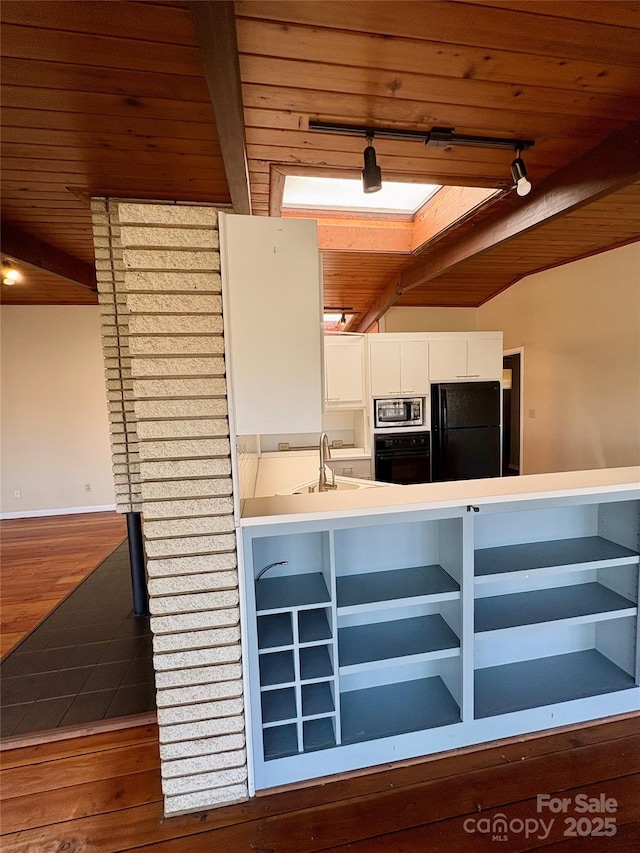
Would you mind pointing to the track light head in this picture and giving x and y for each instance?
(519, 174)
(371, 174)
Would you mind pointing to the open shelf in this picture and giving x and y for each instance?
(421, 635)
(280, 741)
(313, 626)
(318, 734)
(545, 681)
(393, 709)
(275, 631)
(357, 591)
(315, 662)
(566, 554)
(278, 705)
(276, 668)
(580, 602)
(291, 591)
(317, 699)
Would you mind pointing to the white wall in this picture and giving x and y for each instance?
(579, 325)
(430, 320)
(55, 429)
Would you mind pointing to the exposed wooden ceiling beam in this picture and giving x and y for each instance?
(215, 27)
(20, 246)
(607, 167)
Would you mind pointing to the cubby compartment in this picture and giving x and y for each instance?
(398, 564)
(280, 741)
(276, 668)
(314, 625)
(278, 705)
(291, 571)
(274, 631)
(316, 662)
(318, 699)
(318, 734)
(393, 641)
(411, 698)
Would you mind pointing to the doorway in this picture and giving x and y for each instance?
(512, 413)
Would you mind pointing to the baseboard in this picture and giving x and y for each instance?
(69, 510)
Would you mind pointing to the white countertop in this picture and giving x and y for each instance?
(432, 495)
(282, 469)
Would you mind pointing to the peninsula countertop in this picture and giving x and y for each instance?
(357, 502)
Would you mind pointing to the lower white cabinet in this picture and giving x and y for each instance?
(359, 468)
(388, 636)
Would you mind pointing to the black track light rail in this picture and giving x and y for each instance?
(438, 136)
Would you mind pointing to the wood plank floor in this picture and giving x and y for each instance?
(102, 794)
(43, 559)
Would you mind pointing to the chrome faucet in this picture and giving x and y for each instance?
(325, 454)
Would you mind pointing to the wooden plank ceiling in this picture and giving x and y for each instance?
(111, 99)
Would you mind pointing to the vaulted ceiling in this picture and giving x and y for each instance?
(160, 100)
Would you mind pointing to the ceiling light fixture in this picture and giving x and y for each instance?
(519, 172)
(9, 273)
(441, 137)
(371, 174)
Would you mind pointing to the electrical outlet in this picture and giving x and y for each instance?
(283, 445)
(17, 494)
(532, 413)
(87, 487)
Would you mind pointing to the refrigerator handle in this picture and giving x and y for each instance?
(444, 409)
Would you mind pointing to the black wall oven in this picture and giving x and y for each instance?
(402, 458)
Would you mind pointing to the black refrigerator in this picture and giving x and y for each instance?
(465, 430)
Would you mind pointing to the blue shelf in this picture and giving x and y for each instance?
(393, 585)
(420, 635)
(291, 591)
(313, 626)
(276, 668)
(318, 734)
(543, 555)
(275, 631)
(280, 741)
(394, 709)
(549, 605)
(315, 662)
(317, 699)
(278, 705)
(545, 681)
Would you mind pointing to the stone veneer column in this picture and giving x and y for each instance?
(160, 296)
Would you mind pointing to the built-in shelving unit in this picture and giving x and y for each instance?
(387, 636)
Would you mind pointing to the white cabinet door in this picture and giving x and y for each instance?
(414, 367)
(271, 266)
(447, 359)
(384, 367)
(344, 371)
(484, 358)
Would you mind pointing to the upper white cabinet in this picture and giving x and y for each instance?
(398, 366)
(271, 269)
(344, 371)
(472, 356)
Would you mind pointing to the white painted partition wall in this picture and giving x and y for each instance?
(405, 630)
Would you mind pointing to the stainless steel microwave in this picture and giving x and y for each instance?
(398, 412)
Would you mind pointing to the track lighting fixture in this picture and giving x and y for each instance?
(438, 136)
(371, 174)
(10, 274)
(519, 173)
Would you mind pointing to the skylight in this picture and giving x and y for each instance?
(346, 194)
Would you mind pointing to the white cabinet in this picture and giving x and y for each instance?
(359, 468)
(472, 356)
(271, 269)
(398, 366)
(344, 371)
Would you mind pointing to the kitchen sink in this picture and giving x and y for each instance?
(343, 484)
